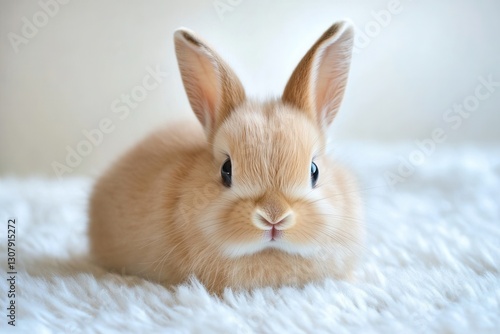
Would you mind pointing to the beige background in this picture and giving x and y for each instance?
(420, 61)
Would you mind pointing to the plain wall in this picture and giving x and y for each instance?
(409, 69)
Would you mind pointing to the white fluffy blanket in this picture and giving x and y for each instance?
(431, 262)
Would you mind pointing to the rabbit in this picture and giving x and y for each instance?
(244, 198)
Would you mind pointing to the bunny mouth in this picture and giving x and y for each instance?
(274, 234)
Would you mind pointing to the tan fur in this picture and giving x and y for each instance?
(321, 80)
(222, 90)
(162, 211)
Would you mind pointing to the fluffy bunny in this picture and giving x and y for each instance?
(249, 198)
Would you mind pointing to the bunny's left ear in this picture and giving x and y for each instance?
(212, 87)
(318, 83)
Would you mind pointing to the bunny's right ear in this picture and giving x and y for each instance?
(317, 85)
(212, 87)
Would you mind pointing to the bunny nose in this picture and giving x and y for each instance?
(273, 210)
(282, 222)
(264, 222)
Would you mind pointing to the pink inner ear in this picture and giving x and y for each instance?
(200, 78)
(208, 95)
(212, 87)
(317, 84)
(210, 83)
(331, 70)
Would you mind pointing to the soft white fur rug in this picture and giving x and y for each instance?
(431, 263)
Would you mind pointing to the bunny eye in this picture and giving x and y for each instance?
(225, 172)
(314, 173)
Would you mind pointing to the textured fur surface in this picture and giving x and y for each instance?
(431, 262)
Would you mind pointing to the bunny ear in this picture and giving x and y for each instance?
(212, 87)
(317, 85)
